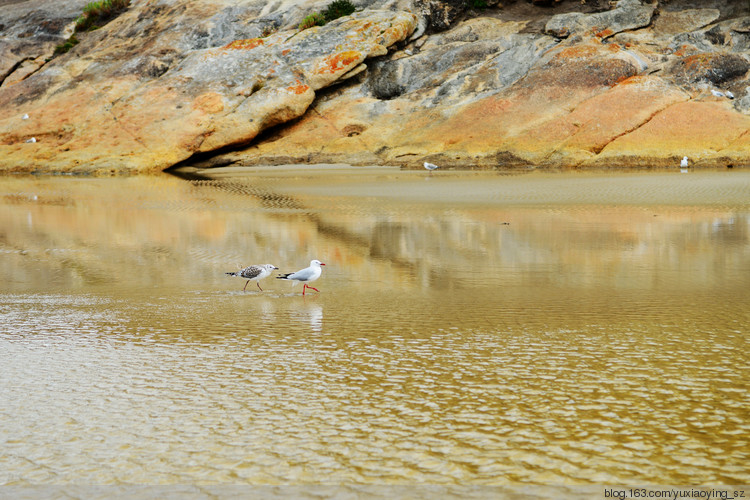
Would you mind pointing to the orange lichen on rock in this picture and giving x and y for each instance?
(341, 61)
(397, 32)
(604, 33)
(698, 62)
(682, 51)
(300, 88)
(577, 52)
(247, 44)
(364, 27)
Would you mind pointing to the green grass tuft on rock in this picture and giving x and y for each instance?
(338, 8)
(314, 19)
(335, 9)
(65, 47)
(96, 14)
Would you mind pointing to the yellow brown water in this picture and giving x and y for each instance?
(471, 328)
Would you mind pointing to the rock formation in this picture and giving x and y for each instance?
(512, 84)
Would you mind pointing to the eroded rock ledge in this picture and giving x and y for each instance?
(515, 85)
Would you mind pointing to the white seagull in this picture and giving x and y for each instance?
(306, 275)
(684, 162)
(255, 273)
(430, 166)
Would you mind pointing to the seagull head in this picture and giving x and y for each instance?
(316, 262)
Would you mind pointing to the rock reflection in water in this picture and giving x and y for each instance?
(466, 332)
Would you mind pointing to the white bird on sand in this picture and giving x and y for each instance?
(717, 93)
(430, 166)
(305, 276)
(33, 139)
(25, 116)
(729, 94)
(254, 273)
(684, 162)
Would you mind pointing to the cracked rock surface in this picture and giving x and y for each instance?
(626, 84)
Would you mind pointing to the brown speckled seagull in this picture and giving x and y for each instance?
(255, 273)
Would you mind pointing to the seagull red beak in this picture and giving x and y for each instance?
(322, 264)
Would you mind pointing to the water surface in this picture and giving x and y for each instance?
(471, 329)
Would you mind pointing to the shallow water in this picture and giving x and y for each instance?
(470, 329)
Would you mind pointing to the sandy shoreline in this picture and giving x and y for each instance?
(726, 187)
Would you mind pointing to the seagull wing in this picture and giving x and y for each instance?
(251, 272)
(303, 275)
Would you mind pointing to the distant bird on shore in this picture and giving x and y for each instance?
(718, 93)
(33, 139)
(255, 273)
(430, 166)
(684, 162)
(305, 276)
(25, 116)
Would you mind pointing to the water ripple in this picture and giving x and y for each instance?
(583, 344)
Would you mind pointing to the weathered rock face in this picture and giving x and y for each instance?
(140, 96)
(641, 84)
(492, 93)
